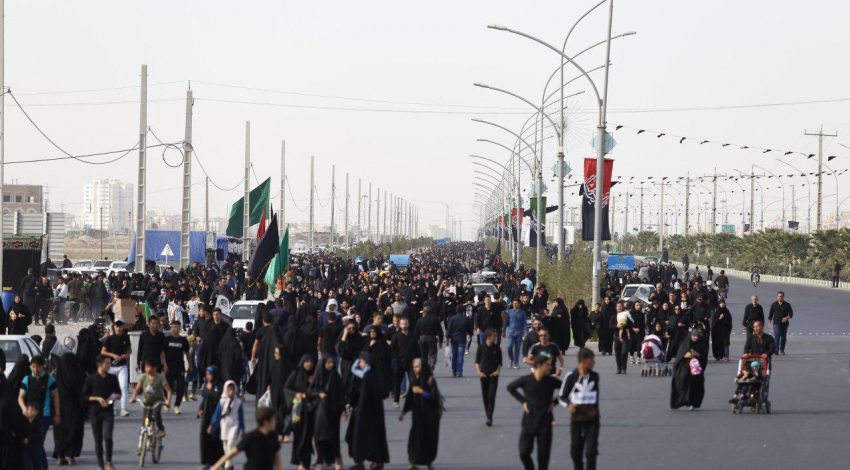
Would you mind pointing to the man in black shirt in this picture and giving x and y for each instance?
(430, 334)
(580, 395)
(780, 316)
(753, 312)
(488, 363)
(260, 445)
(538, 399)
(404, 349)
(328, 337)
(152, 346)
(117, 346)
(760, 342)
(99, 391)
(548, 349)
(246, 339)
(176, 348)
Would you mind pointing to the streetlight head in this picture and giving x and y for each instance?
(630, 33)
(482, 85)
(497, 26)
(476, 120)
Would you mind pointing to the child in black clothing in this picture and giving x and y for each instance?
(260, 445)
(538, 399)
(32, 439)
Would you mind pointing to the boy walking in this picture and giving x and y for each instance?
(488, 363)
(580, 395)
(260, 445)
(538, 398)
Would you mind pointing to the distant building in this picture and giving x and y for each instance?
(110, 202)
(25, 198)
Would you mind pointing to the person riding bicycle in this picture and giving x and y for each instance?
(722, 283)
(154, 389)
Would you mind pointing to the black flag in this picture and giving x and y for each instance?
(267, 248)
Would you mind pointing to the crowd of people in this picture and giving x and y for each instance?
(340, 339)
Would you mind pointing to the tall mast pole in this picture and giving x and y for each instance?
(186, 214)
(141, 198)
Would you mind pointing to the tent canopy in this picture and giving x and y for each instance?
(155, 241)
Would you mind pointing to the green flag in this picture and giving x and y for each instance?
(258, 200)
(542, 209)
(279, 263)
(235, 222)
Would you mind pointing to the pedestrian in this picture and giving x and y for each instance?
(579, 318)
(19, 317)
(580, 395)
(117, 346)
(721, 329)
(622, 338)
(404, 349)
(367, 433)
(176, 349)
(538, 398)
(760, 342)
(211, 445)
(458, 332)
(488, 364)
(514, 329)
(68, 436)
(260, 445)
(688, 385)
(39, 389)
(753, 312)
(33, 439)
(328, 389)
(300, 409)
(426, 404)
(152, 346)
(100, 391)
(559, 324)
(228, 420)
(430, 334)
(836, 273)
(780, 316)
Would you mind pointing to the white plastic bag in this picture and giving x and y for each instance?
(448, 355)
(265, 400)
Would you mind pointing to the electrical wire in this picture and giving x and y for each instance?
(175, 146)
(292, 196)
(101, 103)
(65, 92)
(319, 199)
(198, 159)
(340, 108)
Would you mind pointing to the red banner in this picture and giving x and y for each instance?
(590, 180)
(514, 217)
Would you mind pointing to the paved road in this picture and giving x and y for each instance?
(808, 428)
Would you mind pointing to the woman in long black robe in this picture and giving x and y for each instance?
(267, 354)
(606, 336)
(68, 436)
(349, 352)
(686, 389)
(297, 387)
(559, 325)
(231, 357)
(678, 334)
(721, 329)
(23, 317)
(376, 345)
(579, 319)
(87, 351)
(329, 396)
(11, 417)
(426, 403)
(211, 447)
(367, 433)
(277, 379)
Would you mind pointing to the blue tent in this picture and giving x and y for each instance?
(155, 241)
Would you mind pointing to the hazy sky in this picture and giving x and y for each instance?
(416, 62)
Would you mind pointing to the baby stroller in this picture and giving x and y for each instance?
(754, 393)
(655, 361)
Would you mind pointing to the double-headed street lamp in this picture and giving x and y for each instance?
(602, 104)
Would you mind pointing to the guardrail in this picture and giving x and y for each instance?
(772, 277)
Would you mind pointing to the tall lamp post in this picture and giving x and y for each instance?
(602, 104)
(809, 197)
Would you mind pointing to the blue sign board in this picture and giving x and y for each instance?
(400, 260)
(442, 241)
(621, 262)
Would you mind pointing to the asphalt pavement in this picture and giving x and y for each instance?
(808, 428)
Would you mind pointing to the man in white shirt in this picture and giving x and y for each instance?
(61, 294)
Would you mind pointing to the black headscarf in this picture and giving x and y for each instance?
(87, 351)
(22, 368)
(230, 357)
(299, 380)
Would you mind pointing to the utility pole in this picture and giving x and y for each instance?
(141, 188)
(379, 234)
(753, 199)
(793, 202)
(312, 192)
(640, 228)
(714, 205)
(333, 200)
(347, 241)
(282, 219)
(369, 217)
(359, 203)
(386, 226)
(626, 224)
(661, 221)
(246, 211)
(207, 204)
(101, 231)
(186, 215)
(2, 122)
(687, 201)
(820, 135)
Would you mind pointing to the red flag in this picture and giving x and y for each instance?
(262, 228)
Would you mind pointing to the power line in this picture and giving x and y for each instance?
(101, 103)
(198, 159)
(175, 146)
(292, 196)
(93, 90)
(339, 108)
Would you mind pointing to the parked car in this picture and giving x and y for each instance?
(633, 292)
(14, 346)
(81, 267)
(244, 311)
(488, 289)
(109, 266)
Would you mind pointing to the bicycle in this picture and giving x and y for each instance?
(149, 439)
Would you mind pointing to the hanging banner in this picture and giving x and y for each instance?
(516, 223)
(588, 200)
(532, 237)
